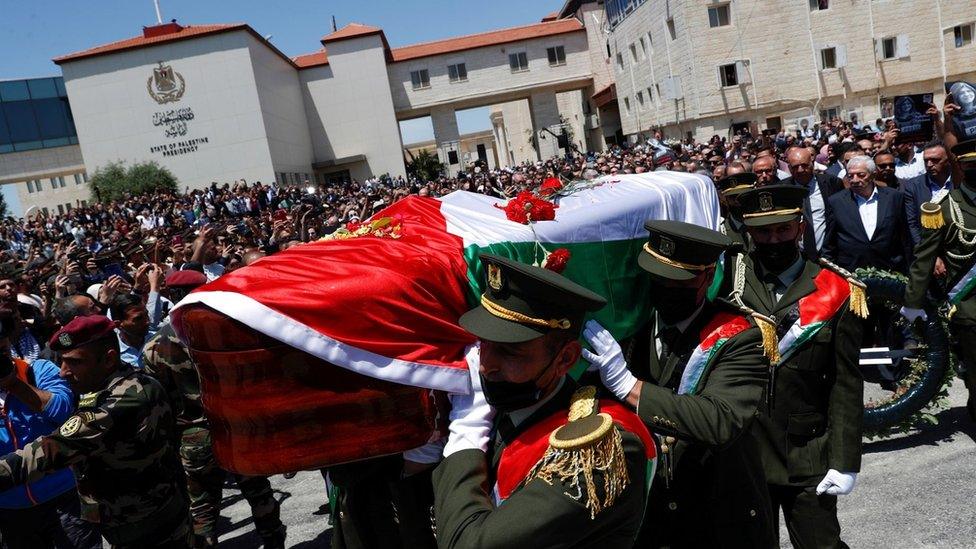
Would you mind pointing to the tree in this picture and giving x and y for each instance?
(113, 181)
(3, 206)
(425, 166)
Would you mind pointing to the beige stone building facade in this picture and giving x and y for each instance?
(705, 67)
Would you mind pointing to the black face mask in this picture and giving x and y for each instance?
(674, 304)
(779, 256)
(506, 396)
(969, 178)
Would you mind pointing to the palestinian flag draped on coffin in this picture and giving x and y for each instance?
(385, 301)
(338, 350)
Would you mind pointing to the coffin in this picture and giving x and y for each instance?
(344, 349)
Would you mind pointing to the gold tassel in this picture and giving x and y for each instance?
(931, 216)
(767, 327)
(578, 464)
(859, 297)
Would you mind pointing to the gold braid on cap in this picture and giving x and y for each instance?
(514, 316)
(774, 212)
(673, 263)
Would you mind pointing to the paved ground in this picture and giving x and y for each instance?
(914, 491)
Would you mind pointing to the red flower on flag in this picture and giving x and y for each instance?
(557, 260)
(550, 186)
(527, 207)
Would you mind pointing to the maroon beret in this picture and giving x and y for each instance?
(81, 331)
(185, 279)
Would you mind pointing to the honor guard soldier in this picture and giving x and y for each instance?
(729, 190)
(949, 232)
(559, 466)
(168, 360)
(119, 443)
(810, 428)
(700, 375)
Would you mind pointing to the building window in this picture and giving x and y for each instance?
(640, 99)
(452, 157)
(37, 185)
(892, 47)
(420, 79)
(457, 73)
(718, 16)
(643, 46)
(830, 113)
(671, 29)
(77, 179)
(650, 94)
(84, 176)
(633, 53)
(84, 203)
(728, 75)
(518, 62)
(67, 206)
(819, 5)
(963, 35)
(60, 209)
(620, 61)
(557, 56)
(30, 187)
(627, 104)
(828, 58)
(61, 182)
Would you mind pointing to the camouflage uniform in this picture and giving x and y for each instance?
(119, 445)
(166, 359)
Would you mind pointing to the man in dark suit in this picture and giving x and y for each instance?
(866, 224)
(930, 186)
(820, 187)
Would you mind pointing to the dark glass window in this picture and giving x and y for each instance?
(14, 91)
(59, 83)
(20, 121)
(4, 132)
(42, 88)
(52, 117)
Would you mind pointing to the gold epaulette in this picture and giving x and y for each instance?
(766, 325)
(931, 215)
(586, 444)
(859, 298)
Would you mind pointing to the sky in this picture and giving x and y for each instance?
(32, 32)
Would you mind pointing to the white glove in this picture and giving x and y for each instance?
(471, 416)
(836, 483)
(609, 358)
(428, 453)
(913, 314)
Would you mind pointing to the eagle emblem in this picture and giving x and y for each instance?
(765, 201)
(667, 246)
(65, 339)
(495, 277)
(165, 85)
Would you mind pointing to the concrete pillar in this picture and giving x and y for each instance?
(545, 114)
(446, 137)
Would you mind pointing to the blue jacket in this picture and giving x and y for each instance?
(20, 426)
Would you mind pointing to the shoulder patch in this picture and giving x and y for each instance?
(71, 426)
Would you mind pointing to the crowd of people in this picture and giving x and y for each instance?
(131, 260)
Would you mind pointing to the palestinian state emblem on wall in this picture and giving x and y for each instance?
(165, 85)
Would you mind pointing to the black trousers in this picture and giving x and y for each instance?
(53, 524)
(964, 345)
(811, 520)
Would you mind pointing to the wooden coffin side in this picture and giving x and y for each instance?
(275, 409)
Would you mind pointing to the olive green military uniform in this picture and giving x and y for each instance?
(119, 445)
(538, 514)
(811, 418)
(812, 421)
(587, 487)
(709, 490)
(729, 190)
(954, 242)
(376, 507)
(166, 359)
